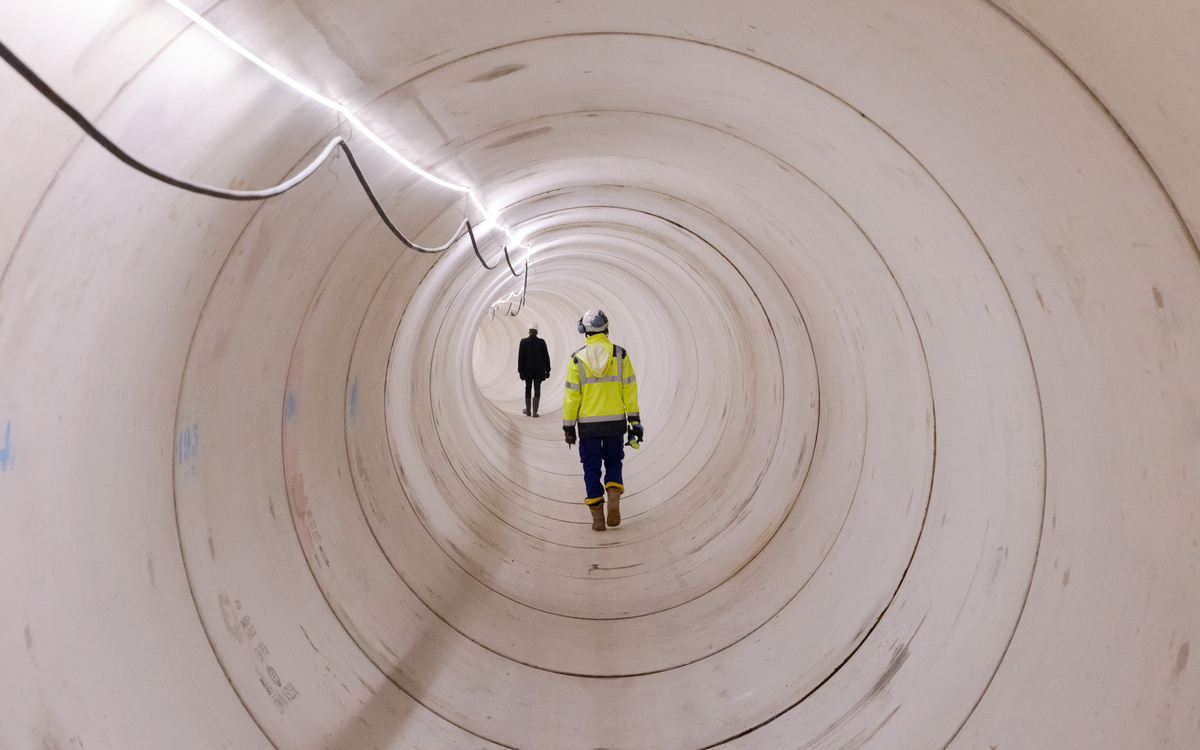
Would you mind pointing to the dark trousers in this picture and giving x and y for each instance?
(535, 386)
(597, 451)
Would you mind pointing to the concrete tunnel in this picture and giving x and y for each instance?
(913, 293)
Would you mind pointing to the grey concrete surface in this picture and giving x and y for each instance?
(913, 293)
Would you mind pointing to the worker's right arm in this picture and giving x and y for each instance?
(572, 398)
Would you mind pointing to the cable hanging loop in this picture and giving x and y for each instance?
(236, 195)
(508, 298)
(366, 186)
(475, 245)
(509, 262)
(524, 286)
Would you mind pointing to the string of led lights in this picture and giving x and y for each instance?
(464, 229)
(517, 294)
(490, 218)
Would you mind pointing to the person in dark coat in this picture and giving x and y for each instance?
(533, 365)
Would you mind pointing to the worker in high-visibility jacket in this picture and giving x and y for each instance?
(601, 398)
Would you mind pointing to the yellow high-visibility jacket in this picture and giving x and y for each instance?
(601, 389)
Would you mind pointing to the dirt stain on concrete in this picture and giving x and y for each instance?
(1181, 660)
(898, 658)
(229, 615)
(516, 137)
(495, 73)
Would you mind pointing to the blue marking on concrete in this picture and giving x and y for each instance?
(188, 444)
(6, 454)
(289, 406)
(353, 397)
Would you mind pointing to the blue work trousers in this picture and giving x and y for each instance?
(594, 451)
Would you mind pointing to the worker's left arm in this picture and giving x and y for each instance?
(629, 394)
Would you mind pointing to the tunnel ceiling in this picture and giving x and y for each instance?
(911, 288)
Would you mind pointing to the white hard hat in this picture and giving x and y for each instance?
(593, 321)
(533, 326)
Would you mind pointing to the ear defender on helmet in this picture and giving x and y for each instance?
(593, 321)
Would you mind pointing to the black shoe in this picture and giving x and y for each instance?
(535, 405)
(526, 410)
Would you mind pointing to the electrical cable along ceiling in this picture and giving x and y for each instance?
(912, 292)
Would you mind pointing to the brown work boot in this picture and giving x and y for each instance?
(597, 516)
(614, 506)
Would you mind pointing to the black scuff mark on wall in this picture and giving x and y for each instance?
(495, 73)
(899, 656)
(314, 647)
(1181, 660)
(516, 137)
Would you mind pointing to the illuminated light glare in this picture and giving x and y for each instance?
(485, 224)
(509, 299)
(490, 218)
(343, 111)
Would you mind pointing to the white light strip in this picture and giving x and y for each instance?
(489, 218)
(507, 298)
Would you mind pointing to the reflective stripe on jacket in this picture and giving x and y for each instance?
(601, 389)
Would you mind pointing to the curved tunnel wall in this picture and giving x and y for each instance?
(910, 289)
